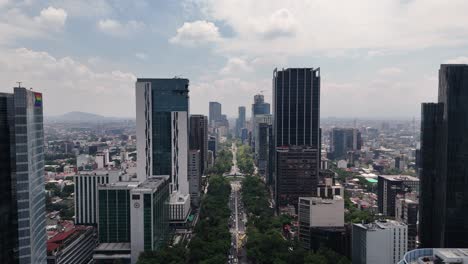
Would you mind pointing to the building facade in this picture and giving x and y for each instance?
(296, 100)
(296, 168)
(86, 194)
(73, 246)
(149, 209)
(198, 138)
(444, 170)
(343, 140)
(383, 242)
(214, 112)
(240, 122)
(194, 177)
(22, 207)
(389, 186)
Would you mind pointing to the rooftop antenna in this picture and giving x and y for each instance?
(19, 84)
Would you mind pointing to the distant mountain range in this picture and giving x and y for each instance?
(81, 117)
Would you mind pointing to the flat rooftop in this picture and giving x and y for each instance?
(382, 224)
(113, 246)
(399, 177)
(153, 182)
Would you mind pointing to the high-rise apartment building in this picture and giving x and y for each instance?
(22, 196)
(296, 99)
(198, 138)
(389, 186)
(343, 140)
(383, 242)
(215, 112)
(443, 214)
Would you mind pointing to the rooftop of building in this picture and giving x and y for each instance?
(152, 183)
(319, 200)
(399, 177)
(100, 172)
(178, 198)
(113, 247)
(120, 185)
(381, 224)
(436, 255)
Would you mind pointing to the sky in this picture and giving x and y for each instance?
(377, 58)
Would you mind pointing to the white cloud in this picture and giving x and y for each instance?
(312, 27)
(14, 24)
(197, 32)
(116, 28)
(236, 66)
(458, 60)
(52, 17)
(281, 23)
(390, 71)
(67, 84)
(141, 56)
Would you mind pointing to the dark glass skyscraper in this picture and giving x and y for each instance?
(296, 99)
(444, 166)
(240, 123)
(198, 138)
(22, 197)
(215, 112)
(162, 107)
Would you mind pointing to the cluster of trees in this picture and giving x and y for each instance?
(211, 241)
(55, 190)
(265, 242)
(355, 215)
(223, 163)
(245, 159)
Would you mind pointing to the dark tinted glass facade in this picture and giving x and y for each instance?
(215, 112)
(22, 205)
(8, 213)
(168, 95)
(444, 166)
(198, 138)
(296, 97)
(114, 216)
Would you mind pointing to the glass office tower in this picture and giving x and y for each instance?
(22, 203)
(444, 166)
(296, 99)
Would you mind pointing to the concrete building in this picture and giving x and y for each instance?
(86, 193)
(383, 242)
(22, 194)
(296, 95)
(327, 189)
(321, 223)
(389, 186)
(436, 255)
(444, 167)
(194, 177)
(73, 246)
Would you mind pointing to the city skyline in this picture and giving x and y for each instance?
(392, 60)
